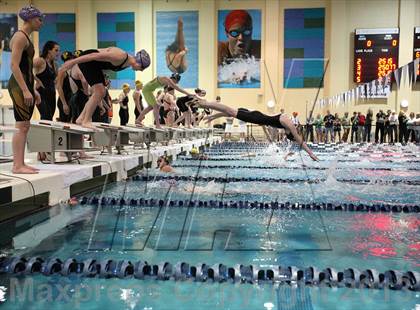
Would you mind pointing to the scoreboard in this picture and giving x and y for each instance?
(416, 49)
(375, 53)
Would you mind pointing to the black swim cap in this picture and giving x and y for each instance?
(67, 55)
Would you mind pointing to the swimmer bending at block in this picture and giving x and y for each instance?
(256, 117)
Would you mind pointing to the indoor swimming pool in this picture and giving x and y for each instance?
(245, 205)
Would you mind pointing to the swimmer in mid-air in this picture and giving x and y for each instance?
(256, 117)
(175, 53)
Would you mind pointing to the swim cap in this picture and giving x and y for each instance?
(176, 77)
(139, 83)
(66, 55)
(30, 12)
(194, 151)
(125, 86)
(143, 59)
(238, 17)
(77, 53)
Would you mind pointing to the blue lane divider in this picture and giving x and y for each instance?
(275, 180)
(288, 167)
(217, 273)
(246, 204)
(291, 160)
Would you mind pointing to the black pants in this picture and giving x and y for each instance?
(353, 133)
(123, 116)
(309, 133)
(366, 133)
(380, 128)
(392, 133)
(47, 106)
(403, 133)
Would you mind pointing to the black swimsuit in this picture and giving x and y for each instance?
(256, 117)
(124, 112)
(93, 70)
(78, 100)
(47, 93)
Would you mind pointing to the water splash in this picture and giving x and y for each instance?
(240, 71)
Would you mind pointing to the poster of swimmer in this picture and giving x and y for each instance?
(177, 45)
(8, 26)
(239, 49)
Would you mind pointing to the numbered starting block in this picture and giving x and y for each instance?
(177, 134)
(111, 135)
(138, 135)
(159, 135)
(51, 137)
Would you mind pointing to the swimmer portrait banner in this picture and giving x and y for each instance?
(177, 45)
(239, 49)
(8, 26)
(61, 28)
(117, 29)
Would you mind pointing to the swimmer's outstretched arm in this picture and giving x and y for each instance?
(167, 81)
(289, 126)
(211, 118)
(226, 110)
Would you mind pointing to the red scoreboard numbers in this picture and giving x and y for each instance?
(375, 53)
(416, 49)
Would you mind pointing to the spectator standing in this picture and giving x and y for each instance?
(319, 123)
(402, 127)
(309, 129)
(329, 126)
(386, 126)
(380, 126)
(360, 127)
(368, 126)
(337, 127)
(345, 122)
(393, 123)
(354, 125)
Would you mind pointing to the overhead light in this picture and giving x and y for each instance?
(404, 103)
(271, 104)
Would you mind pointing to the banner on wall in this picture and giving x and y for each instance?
(8, 26)
(61, 28)
(117, 29)
(239, 49)
(177, 45)
(304, 37)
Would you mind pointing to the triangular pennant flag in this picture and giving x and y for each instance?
(397, 75)
(411, 73)
(404, 74)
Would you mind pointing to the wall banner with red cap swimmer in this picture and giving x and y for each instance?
(239, 49)
(8, 25)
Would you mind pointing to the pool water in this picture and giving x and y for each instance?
(262, 237)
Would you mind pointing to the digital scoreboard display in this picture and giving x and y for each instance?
(416, 49)
(375, 53)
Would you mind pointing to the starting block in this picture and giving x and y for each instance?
(138, 135)
(112, 135)
(51, 137)
(159, 135)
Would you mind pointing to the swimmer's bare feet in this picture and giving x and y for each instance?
(79, 121)
(89, 125)
(30, 167)
(23, 170)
